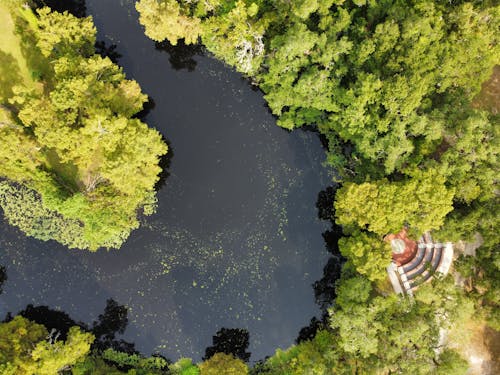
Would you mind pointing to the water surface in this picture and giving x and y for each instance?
(236, 241)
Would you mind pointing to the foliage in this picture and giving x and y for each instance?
(24, 209)
(151, 365)
(184, 366)
(92, 166)
(27, 348)
(385, 207)
(169, 21)
(368, 253)
(451, 363)
(372, 73)
(223, 364)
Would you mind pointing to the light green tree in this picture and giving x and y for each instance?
(384, 207)
(167, 19)
(90, 166)
(223, 364)
(27, 348)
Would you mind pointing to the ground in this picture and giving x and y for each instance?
(13, 66)
(480, 345)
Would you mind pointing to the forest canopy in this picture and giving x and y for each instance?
(390, 86)
(77, 166)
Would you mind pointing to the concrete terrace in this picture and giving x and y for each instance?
(408, 272)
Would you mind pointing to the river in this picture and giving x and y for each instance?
(236, 241)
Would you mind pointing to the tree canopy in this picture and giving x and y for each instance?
(389, 85)
(86, 167)
(27, 348)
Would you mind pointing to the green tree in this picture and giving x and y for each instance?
(167, 19)
(384, 207)
(451, 363)
(142, 366)
(368, 253)
(223, 364)
(27, 348)
(184, 366)
(93, 167)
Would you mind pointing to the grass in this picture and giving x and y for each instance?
(13, 66)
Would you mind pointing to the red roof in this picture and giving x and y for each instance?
(410, 247)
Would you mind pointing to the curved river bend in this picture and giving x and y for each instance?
(236, 241)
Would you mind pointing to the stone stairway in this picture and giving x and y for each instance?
(430, 258)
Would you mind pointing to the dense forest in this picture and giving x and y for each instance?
(391, 87)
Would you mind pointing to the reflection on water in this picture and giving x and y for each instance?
(111, 322)
(233, 341)
(236, 241)
(3, 277)
(75, 7)
(181, 56)
(107, 50)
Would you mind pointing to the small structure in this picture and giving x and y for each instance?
(414, 263)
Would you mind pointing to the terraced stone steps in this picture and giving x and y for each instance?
(430, 258)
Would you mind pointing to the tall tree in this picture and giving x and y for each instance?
(86, 168)
(27, 348)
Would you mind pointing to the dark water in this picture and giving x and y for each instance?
(236, 242)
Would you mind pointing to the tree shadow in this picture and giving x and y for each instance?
(325, 288)
(75, 7)
(181, 55)
(164, 164)
(10, 75)
(233, 341)
(112, 321)
(107, 51)
(308, 332)
(3, 277)
(146, 108)
(324, 203)
(51, 319)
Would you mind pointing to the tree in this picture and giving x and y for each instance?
(372, 73)
(184, 366)
(28, 348)
(451, 363)
(166, 19)
(368, 253)
(142, 366)
(86, 168)
(385, 207)
(223, 364)
(232, 341)
(472, 155)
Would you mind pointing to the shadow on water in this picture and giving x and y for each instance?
(112, 321)
(146, 108)
(75, 7)
(324, 288)
(164, 164)
(233, 341)
(308, 332)
(107, 51)
(3, 277)
(181, 55)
